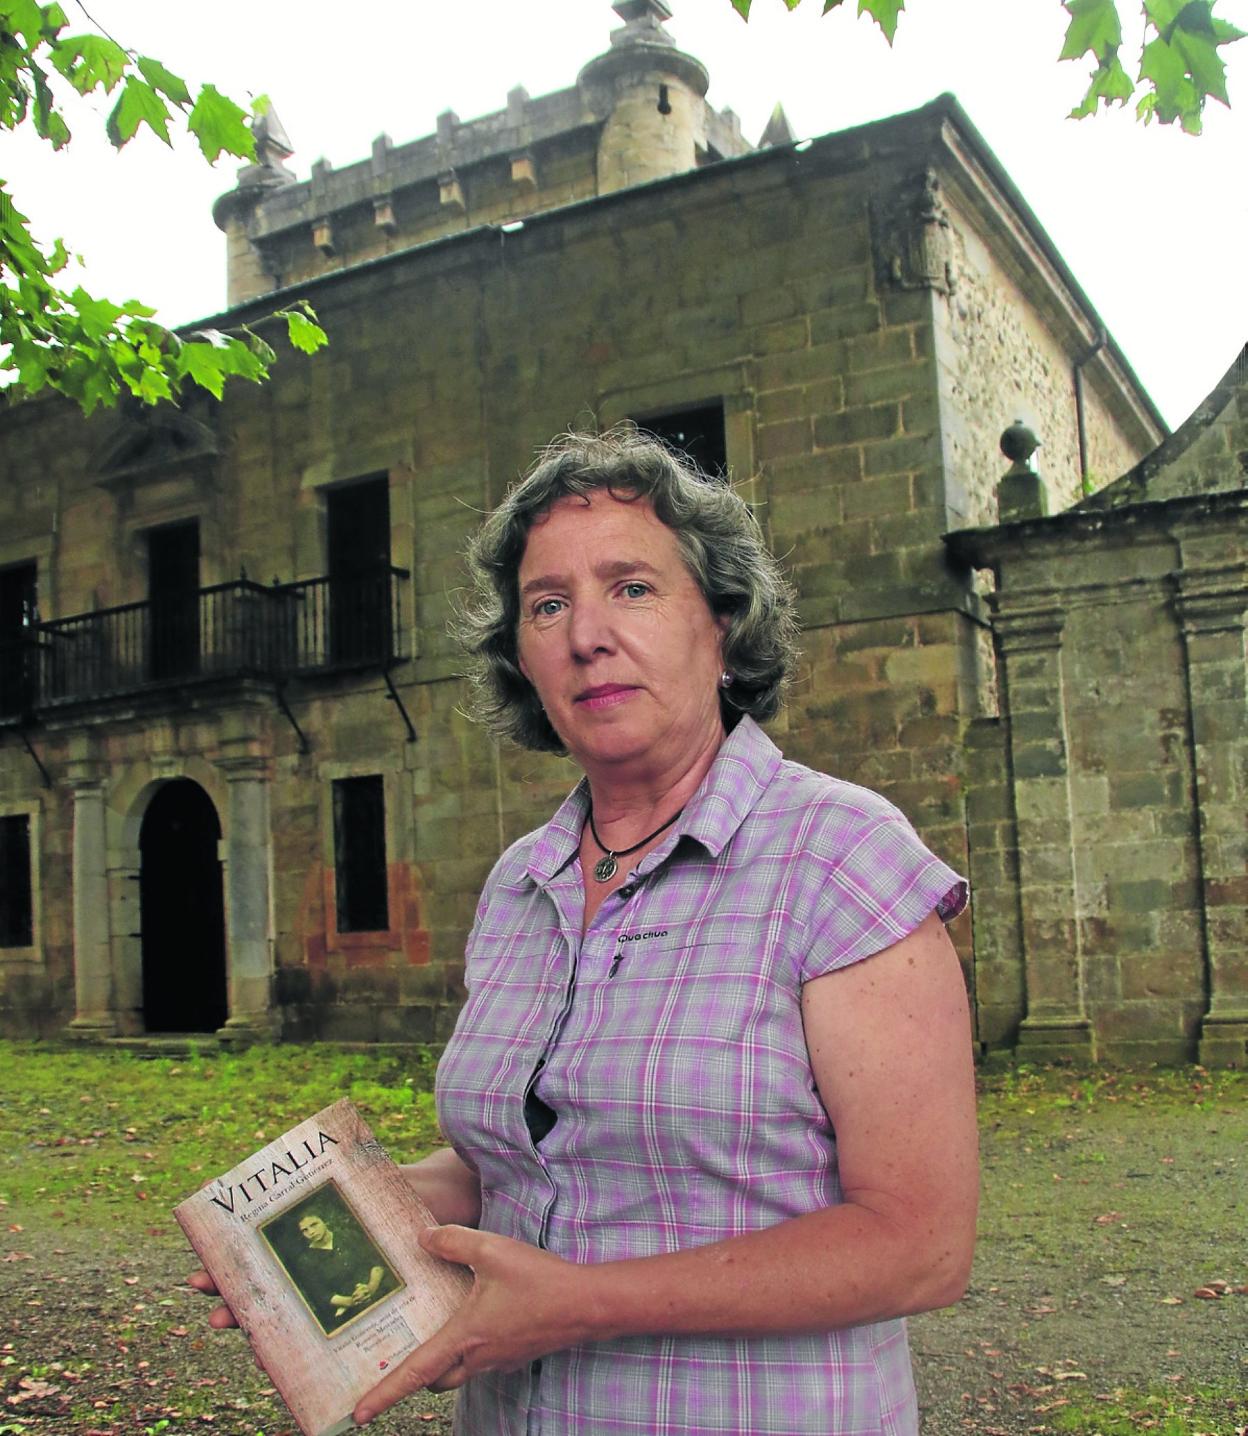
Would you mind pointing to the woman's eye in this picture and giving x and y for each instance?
(548, 607)
(636, 590)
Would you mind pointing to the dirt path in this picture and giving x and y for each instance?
(1098, 1226)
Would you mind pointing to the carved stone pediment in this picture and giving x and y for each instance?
(146, 443)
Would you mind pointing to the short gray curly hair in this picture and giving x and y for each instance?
(720, 541)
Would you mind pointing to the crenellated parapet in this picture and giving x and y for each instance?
(636, 114)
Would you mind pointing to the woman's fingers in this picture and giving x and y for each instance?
(220, 1318)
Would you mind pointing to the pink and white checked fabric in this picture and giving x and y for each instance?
(668, 1042)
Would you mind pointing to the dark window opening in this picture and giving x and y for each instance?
(173, 597)
(697, 433)
(16, 911)
(360, 854)
(18, 651)
(665, 104)
(358, 520)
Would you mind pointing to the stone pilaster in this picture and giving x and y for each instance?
(1029, 641)
(95, 1002)
(1212, 607)
(248, 904)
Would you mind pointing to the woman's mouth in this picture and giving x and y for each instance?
(605, 695)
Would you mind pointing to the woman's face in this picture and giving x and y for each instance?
(313, 1229)
(617, 639)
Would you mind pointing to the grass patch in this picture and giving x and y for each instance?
(1027, 1092)
(1203, 1412)
(134, 1135)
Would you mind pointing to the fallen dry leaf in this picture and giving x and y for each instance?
(1208, 1293)
(30, 1389)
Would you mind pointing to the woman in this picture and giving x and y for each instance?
(710, 1097)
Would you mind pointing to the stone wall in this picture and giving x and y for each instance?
(1001, 361)
(791, 287)
(1121, 629)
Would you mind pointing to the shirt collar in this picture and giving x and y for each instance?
(743, 769)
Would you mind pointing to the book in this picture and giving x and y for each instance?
(312, 1244)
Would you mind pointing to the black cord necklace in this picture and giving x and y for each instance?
(606, 867)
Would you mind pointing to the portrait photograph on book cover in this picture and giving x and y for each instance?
(329, 1258)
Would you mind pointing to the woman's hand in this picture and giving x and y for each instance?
(447, 1186)
(220, 1317)
(523, 1304)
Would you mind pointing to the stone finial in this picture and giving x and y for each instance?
(1018, 443)
(1021, 494)
(778, 131)
(273, 144)
(643, 23)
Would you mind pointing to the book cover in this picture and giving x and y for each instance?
(312, 1244)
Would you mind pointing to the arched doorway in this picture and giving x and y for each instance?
(182, 912)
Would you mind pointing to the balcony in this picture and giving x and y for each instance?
(221, 635)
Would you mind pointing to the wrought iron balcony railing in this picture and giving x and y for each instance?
(228, 632)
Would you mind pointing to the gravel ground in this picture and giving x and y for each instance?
(1098, 1226)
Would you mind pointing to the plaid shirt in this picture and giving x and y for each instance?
(668, 1042)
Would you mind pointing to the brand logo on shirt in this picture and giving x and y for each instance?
(626, 937)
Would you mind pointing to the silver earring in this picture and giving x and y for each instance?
(725, 679)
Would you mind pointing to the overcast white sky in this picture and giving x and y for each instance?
(1153, 223)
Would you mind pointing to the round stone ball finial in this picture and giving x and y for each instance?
(1018, 443)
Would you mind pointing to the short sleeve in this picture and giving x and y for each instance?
(881, 882)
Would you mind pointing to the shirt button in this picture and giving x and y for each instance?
(627, 891)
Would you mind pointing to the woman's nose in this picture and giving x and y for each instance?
(590, 630)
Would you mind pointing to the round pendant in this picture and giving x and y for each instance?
(606, 868)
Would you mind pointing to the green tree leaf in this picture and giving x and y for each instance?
(169, 84)
(302, 329)
(742, 7)
(139, 104)
(49, 122)
(220, 125)
(884, 13)
(97, 316)
(1094, 26)
(1110, 84)
(201, 364)
(90, 62)
(25, 18)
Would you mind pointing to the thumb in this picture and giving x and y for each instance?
(462, 1245)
